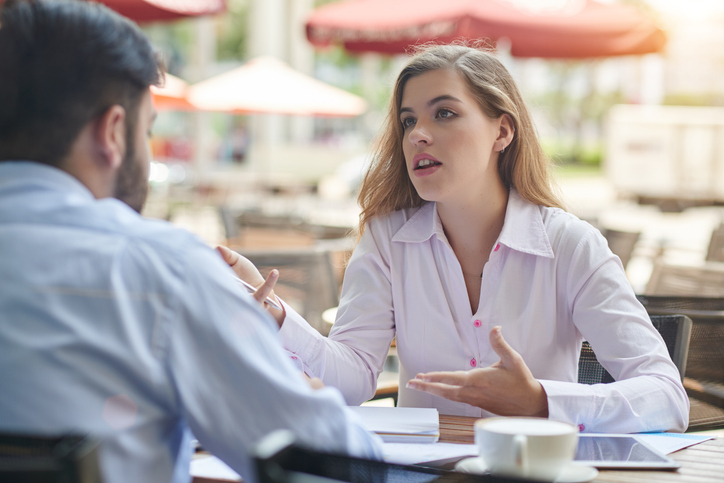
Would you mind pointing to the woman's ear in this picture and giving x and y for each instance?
(505, 133)
(110, 137)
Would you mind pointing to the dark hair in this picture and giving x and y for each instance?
(63, 63)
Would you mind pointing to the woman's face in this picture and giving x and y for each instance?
(450, 145)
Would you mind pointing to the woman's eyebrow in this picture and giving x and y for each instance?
(444, 97)
(432, 102)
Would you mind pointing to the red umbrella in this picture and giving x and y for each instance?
(551, 28)
(154, 10)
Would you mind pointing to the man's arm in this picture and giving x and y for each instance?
(234, 382)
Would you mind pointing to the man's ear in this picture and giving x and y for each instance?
(110, 136)
(505, 133)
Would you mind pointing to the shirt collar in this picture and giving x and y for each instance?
(41, 174)
(523, 229)
(423, 224)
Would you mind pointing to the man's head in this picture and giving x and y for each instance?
(70, 69)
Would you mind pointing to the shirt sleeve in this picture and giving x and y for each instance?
(648, 394)
(234, 383)
(353, 355)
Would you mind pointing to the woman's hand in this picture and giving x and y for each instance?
(506, 388)
(314, 382)
(248, 272)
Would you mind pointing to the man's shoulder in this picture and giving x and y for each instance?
(158, 236)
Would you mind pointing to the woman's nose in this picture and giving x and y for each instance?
(420, 134)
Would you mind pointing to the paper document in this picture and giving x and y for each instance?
(412, 454)
(213, 468)
(669, 442)
(401, 425)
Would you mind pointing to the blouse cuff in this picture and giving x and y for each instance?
(569, 402)
(302, 341)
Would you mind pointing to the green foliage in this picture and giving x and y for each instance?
(694, 99)
(232, 31)
(337, 56)
(570, 153)
(173, 40)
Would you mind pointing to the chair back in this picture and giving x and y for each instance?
(715, 253)
(307, 279)
(676, 332)
(621, 243)
(706, 349)
(229, 221)
(40, 459)
(704, 381)
(675, 280)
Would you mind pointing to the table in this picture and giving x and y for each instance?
(702, 463)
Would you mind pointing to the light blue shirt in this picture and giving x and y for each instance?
(134, 331)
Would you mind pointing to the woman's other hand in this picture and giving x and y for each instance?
(506, 388)
(249, 273)
(314, 382)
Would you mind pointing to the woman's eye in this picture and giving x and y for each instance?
(408, 122)
(445, 113)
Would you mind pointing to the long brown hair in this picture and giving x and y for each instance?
(524, 166)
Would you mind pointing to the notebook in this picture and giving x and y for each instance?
(401, 425)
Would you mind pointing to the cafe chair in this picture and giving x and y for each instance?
(42, 459)
(676, 332)
(715, 251)
(704, 381)
(229, 222)
(279, 459)
(706, 280)
(307, 279)
(621, 243)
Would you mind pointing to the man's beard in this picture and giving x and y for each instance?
(132, 179)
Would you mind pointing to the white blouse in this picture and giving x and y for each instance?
(551, 282)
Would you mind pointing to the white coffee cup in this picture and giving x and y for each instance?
(526, 447)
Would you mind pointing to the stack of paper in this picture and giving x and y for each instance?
(401, 425)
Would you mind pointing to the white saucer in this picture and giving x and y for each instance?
(571, 474)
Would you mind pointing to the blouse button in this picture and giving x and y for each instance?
(477, 323)
(581, 428)
(473, 362)
(294, 358)
(497, 247)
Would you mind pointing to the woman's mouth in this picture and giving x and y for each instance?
(425, 165)
(425, 161)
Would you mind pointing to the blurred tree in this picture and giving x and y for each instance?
(573, 112)
(232, 31)
(174, 41)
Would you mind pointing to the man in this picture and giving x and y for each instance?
(110, 324)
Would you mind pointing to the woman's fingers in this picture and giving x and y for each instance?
(229, 256)
(508, 356)
(456, 378)
(437, 388)
(265, 289)
(243, 268)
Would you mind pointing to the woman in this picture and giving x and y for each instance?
(467, 257)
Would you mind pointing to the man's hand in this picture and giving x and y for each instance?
(248, 272)
(506, 388)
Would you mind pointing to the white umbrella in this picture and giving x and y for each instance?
(172, 95)
(267, 85)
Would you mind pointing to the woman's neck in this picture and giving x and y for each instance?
(474, 223)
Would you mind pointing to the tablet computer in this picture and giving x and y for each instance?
(620, 451)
